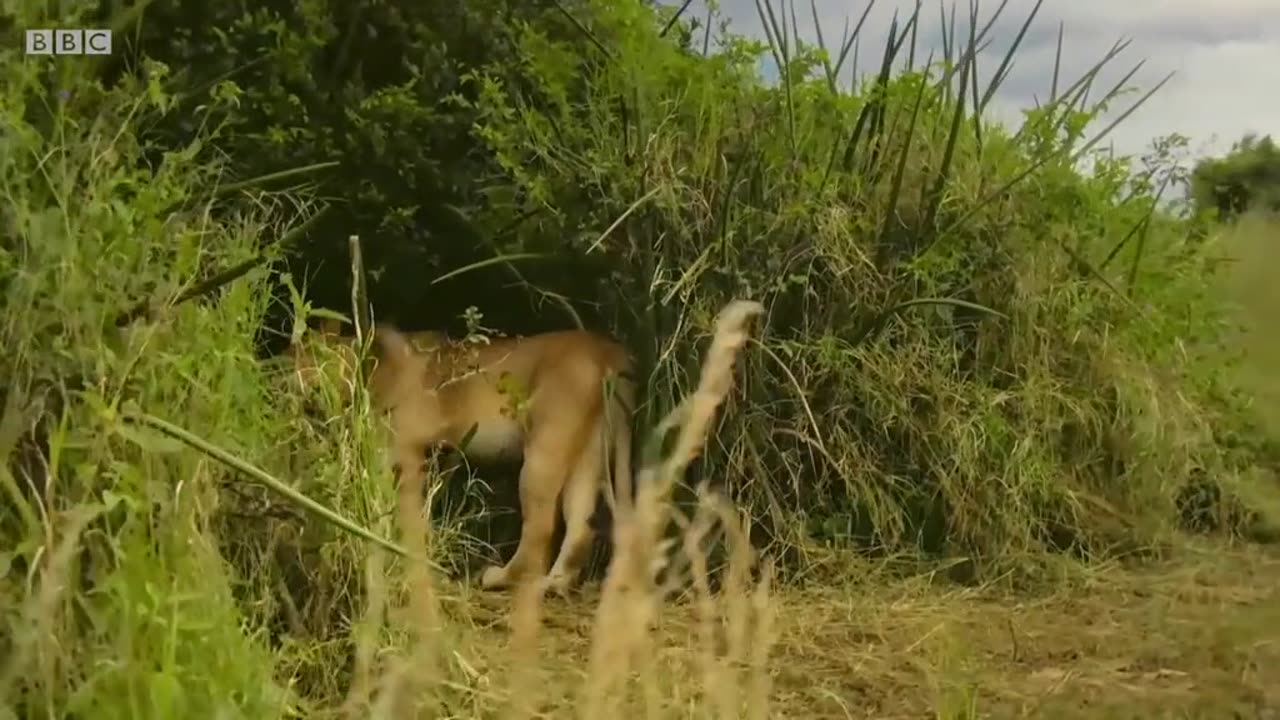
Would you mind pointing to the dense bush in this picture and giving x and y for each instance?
(1245, 179)
(972, 349)
(360, 102)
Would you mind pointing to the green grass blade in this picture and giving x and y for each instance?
(487, 262)
(269, 480)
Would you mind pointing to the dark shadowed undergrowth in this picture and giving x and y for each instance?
(969, 356)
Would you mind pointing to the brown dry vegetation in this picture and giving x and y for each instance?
(1195, 640)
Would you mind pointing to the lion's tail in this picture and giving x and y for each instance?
(619, 408)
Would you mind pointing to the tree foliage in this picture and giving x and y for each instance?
(380, 89)
(1245, 179)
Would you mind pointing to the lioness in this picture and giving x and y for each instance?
(542, 397)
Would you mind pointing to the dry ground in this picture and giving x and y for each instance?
(1197, 638)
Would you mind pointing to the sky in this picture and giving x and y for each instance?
(1225, 60)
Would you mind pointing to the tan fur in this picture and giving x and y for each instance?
(541, 398)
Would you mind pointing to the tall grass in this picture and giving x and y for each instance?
(971, 343)
(968, 347)
(118, 600)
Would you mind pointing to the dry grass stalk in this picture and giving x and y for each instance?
(739, 616)
(760, 686)
(43, 608)
(526, 622)
(704, 602)
(391, 701)
(358, 695)
(423, 606)
(742, 609)
(629, 602)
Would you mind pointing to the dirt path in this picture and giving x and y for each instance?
(1199, 639)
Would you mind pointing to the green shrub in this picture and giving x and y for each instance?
(117, 599)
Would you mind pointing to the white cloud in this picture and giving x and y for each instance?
(1225, 55)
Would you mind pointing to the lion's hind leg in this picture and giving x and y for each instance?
(548, 454)
(578, 502)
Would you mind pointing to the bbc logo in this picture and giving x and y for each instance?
(69, 42)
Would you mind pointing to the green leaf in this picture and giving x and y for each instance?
(147, 439)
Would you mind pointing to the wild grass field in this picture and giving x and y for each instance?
(978, 432)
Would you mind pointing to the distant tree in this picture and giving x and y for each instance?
(1246, 178)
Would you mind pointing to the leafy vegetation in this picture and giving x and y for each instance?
(1245, 179)
(973, 356)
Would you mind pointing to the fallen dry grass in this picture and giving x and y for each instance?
(1197, 638)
